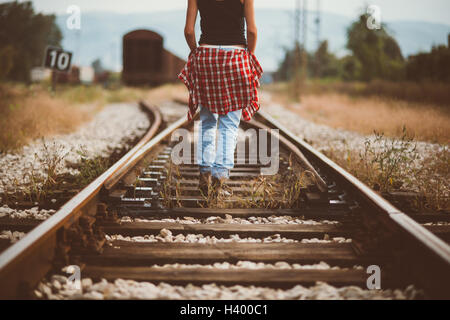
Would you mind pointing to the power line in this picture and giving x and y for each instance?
(300, 55)
(304, 53)
(304, 23)
(296, 49)
(318, 23)
(297, 23)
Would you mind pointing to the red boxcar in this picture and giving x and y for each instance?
(146, 62)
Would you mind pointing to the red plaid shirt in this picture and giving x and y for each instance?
(222, 81)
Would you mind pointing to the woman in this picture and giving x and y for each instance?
(222, 76)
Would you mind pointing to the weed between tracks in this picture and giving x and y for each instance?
(433, 182)
(47, 183)
(283, 190)
(170, 197)
(278, 191)
(89, 169)
(51, 158)
(388, 165)
(383, 161)
(44, 185)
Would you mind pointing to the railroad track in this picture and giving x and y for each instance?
(146, 196)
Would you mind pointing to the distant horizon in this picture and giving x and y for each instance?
(257, 9)
(102, 31)
(433, 11)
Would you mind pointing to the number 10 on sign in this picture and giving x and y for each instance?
(57, 59)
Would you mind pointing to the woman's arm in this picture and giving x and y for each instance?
(252, 32)
(189, 29)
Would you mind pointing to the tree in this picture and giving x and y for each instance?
(97, 65)
(351, 68)
(324, 64)
(6, 61)
(286, 69)
(378, 53)
(374, 54)
(432, 66)
(26, 34)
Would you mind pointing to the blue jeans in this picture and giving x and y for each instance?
(221, 161)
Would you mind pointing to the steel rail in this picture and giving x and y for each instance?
(435, 248)
(156, 123)
(320, 183)
(27, 261)
(400, 219)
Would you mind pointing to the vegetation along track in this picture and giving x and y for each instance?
(147, 188)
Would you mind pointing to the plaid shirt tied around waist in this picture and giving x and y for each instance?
(223, 81)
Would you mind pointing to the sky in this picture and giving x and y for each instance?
(431, 10)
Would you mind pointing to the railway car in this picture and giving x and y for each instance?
(70, 77)
(146, 62)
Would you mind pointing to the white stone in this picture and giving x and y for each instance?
(93, 295)
(86, 283)
(56, 285)
(165, 233)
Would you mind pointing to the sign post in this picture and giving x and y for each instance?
(58, 60)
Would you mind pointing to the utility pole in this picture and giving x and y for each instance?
(301, 65)
(78, 46)
(300, 53)
(304, 23)
(318, 22)
(297, 22)
(297, 51)
(304, 41)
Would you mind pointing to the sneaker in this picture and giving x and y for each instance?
(204, 182)
(219, 188)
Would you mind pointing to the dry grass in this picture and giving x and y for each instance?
(31, 113)
(424, 92)
(167, 92)
(365, 115)
(433, 181)
(389, 167)
(426, 122)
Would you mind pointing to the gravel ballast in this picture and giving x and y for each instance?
(57, 288)
(167, 237)
(32, 213)
(172, 111)
(230, 220)
(281, 265)
(12, 236)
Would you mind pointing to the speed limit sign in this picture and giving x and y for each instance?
(57, 59)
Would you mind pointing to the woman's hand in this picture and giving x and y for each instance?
(252, 33)
(192, 53)
(189, 29)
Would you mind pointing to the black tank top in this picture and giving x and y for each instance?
(222, 22)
